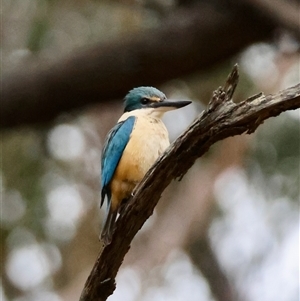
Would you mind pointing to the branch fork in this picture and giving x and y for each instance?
(222, 118)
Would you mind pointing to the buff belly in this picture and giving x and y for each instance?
(149, 139)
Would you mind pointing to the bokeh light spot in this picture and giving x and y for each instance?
(27, 266)
(66, 142)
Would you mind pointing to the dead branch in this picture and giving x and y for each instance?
(188, 40)
(223, 118)
(192, 207)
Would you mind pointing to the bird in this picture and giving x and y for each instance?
(131, 147)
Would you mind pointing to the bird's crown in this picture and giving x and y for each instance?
(141, 97)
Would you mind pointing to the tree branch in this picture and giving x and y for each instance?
(284, 13)
(188, 40)
(223, 118)
(205, 259)
(194, 218)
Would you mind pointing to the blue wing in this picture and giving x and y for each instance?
(114, 146)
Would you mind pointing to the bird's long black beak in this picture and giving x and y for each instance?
(171, 104)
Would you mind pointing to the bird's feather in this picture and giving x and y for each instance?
(114, 146)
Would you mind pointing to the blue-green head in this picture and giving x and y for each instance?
(150, 97)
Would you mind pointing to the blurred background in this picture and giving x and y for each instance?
(229, 230)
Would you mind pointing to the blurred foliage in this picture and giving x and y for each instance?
(43, 30)
(37, 34)
(276, 153)
(22, 170)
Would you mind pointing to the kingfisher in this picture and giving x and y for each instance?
(131, 148)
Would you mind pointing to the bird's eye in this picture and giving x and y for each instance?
(144, 101)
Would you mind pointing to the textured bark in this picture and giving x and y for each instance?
(188, 40)
(222, 118)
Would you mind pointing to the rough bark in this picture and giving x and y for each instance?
(188, 40)
(222, 118)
